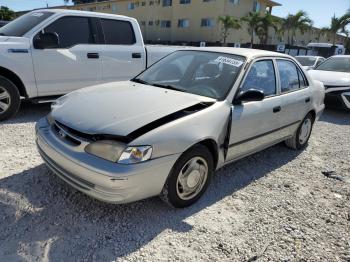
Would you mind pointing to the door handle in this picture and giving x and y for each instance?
(307, 100)
(93, 55)
(136, 55)
(276, 109)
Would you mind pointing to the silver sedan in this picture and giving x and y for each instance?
(166, 131)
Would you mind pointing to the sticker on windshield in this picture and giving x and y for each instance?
(229, 61)
(37, 14)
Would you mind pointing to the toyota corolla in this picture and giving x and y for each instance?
(166, 131)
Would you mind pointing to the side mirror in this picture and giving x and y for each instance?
(248, 96)
(46, 41)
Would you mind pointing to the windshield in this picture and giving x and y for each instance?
(306, 60)
(23, 24)
(338, 64)
(197, 72)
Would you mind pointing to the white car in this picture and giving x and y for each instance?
(310, 62)
(167, 130)
(335, 75)
(48, 53)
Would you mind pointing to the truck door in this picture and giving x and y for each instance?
(74, 64)
(123, 55)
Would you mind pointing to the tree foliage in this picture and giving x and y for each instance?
(228, 23)
(292, 23)
(338, 25)
(6, 13)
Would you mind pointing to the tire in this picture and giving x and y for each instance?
(300, 138)
(9, 99)
(173, 192)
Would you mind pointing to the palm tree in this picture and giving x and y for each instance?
(338, 25)
(253, 19)
(6, 13)
(228, 22)
(292, 23)
(266, 22)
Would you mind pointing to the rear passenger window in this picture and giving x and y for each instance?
(302, 79)
(289, 76)
(118, 32)
(71, 31)
(261, 76)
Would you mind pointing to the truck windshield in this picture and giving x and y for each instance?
(202, 73)
(338, 64)
(23, 24)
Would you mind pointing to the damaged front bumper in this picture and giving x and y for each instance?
(99, 178)
(338, 97)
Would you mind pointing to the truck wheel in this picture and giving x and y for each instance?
(302, 135)
(189, 178)
(9, 99)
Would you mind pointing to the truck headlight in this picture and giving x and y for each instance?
(106, 149)
(135, 154)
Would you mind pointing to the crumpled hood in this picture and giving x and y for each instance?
(119, 108)
(330, 78)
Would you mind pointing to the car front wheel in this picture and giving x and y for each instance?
(302, 135)
(189, 177)
(9, 99)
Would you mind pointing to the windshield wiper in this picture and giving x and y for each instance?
(140, 81)
(168, 87)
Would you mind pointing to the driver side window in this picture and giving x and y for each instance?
(261, 76)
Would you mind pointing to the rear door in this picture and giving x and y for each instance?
(256, 125)
(74, 64)
(295, 94)
(123, 55)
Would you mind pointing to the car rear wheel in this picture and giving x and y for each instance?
(302, 135)
(9, 99)
(189, 178)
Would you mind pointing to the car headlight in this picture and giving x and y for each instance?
(106, 149)
(135, 154)
(116, 152)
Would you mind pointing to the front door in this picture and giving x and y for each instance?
(75, 64)
(256, 124)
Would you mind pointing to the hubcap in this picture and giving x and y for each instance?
(192, 178)
(305, 131)
(5, 100)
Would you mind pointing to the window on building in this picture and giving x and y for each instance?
(114, 8)
(208, 1)
(207, 22)
(165, 23)
(131, 6)
(185, 2)
(151, 2)
(235, 2)
(167, 2)
(157, 22)
(150, 23)
(71, 31)
(183, 23)
(143, 3)
(256, 6)
(137, 4)
(118, 32)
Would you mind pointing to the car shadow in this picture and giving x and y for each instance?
(37, 207)
(29, 112)
(336, 116)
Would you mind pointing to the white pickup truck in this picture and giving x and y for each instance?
(47, 53)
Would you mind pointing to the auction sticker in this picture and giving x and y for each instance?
(229, 61)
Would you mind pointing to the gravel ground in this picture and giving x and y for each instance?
(274, 205)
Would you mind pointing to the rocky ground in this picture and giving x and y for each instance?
(278, 204)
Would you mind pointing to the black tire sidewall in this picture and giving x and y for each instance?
(301, 146)
(15, 99)
(173, 198)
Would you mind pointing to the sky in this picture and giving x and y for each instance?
(320, 11)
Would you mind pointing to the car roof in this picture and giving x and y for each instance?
(84, 13)
(249, 53)
(315, 56)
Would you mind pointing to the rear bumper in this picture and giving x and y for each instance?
(98, 178)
